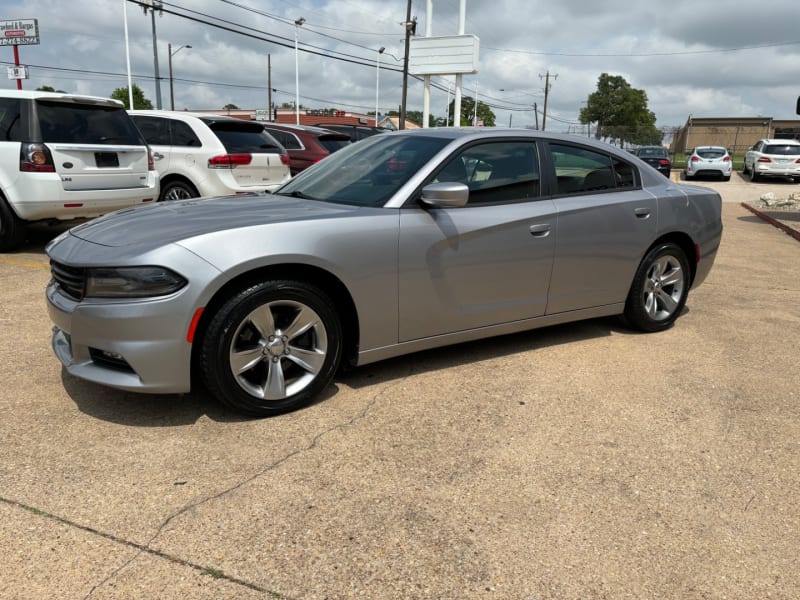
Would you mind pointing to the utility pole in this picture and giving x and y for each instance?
(546, 93)
(153, 7)
(269, 87)
(411, 28)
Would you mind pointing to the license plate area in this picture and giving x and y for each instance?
(106, 159)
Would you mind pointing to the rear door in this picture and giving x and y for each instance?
(265, 166)
(156, 133)
(95, 146)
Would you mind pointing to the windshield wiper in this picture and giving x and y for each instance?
(296, 194)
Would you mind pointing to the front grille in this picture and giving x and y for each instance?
(71, 280)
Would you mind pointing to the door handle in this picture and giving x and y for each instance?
(157, 156)
(642, 213)
(540, 230)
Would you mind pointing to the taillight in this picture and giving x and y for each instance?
(229, 161)
(695, 158)
(663, 162)
(285, 159)
(764, 159)
(726, 159)
(151, 163)
(36, 158)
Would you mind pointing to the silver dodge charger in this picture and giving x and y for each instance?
(402, 242)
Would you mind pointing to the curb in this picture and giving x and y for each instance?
(785, 228)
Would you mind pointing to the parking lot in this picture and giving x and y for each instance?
(577, 461)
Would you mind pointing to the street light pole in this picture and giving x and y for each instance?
(171, 90)
(377, 80)
(297, 24)
(154, 6)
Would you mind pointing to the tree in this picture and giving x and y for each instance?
(49, 88)
(620, 112)
(230, 107)
(139, 101)
(485, 114)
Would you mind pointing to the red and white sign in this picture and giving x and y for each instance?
(19, 32)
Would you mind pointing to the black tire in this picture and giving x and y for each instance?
(177, 190)
(687, 177)
(753, 175)
(744, 169)
(726, 178)
(659, 289)
(12, 228)
(283, 335)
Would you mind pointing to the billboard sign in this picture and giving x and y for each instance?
(443, 55)
(19, 32)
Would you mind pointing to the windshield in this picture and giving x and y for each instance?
(367, 173)
(711, 152)
(73, 123)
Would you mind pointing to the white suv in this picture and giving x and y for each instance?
(65, 157)
(773, 158)
(209, 155)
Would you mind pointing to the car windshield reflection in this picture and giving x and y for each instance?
(367, 173)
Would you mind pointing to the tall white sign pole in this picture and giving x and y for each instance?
(128, 54)
(426, 94)
(462, 22)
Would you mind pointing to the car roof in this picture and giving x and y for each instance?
(34, 94)
(179, 114)
(788, 141)
(308, 128)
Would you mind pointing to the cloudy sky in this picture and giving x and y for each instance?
(704, 58)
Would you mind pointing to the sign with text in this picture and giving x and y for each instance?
(19, 32)
(445, 55)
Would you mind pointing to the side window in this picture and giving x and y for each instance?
(286, 139)
(496, 171)
(182, 135)
(10, 120)
(581, 171)
(153, 129)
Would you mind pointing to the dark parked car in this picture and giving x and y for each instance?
(655, 156)
(306, 145)
(356, 132)
(396, 244)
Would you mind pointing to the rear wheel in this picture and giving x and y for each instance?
(272, 348)
(12, 228)
(744, 169)
(754, 175)
(726, 178)
(659, 289)
(177, 190)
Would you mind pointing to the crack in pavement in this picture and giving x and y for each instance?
(147, 548)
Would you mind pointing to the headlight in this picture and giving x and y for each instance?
(132, 282)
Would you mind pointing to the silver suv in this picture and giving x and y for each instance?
(773, 158)
(65, 157)
(208, 155)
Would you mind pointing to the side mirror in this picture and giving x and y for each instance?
(445, 194)
(797, 108)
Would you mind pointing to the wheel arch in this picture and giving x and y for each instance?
(324, 280)
(176, 177)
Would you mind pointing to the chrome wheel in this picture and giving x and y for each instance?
(663, 288)
(272, 347)
(659, 289)
(177, 191)
(278, 350)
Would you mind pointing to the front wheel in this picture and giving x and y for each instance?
(12, 228)
(659, 289)
(272, 348)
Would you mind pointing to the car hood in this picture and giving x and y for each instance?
(168, 222)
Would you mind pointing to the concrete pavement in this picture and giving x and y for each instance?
(579, 461)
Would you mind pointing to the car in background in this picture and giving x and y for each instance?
(396, 244)
(201, 155)
(773, 158)
(306, 145)
(655, 156)
(65, 157)
(709, 160)
(356, 132)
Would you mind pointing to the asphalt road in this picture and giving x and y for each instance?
(578, 461)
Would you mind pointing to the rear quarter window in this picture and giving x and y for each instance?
(10, 120)
(67, 122)
(239, 139)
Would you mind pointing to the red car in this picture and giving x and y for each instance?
(306, 145)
